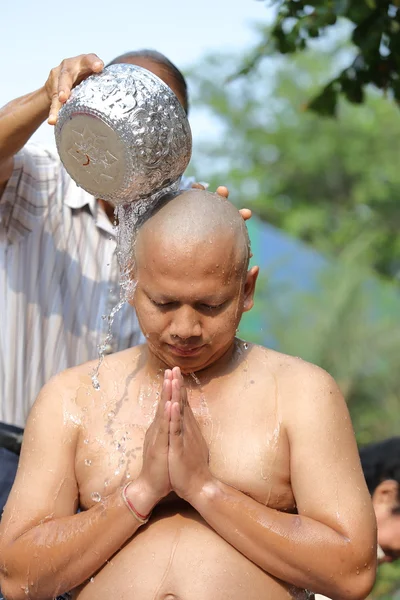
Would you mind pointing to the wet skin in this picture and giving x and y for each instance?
(177, 553)
(246, 416)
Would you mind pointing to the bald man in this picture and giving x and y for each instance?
(204, 467)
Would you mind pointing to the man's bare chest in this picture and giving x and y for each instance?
(248, 447)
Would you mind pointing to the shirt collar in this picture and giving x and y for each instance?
(76, 198)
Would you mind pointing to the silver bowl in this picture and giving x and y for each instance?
(123, 135)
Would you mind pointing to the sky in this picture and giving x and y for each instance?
(37, 35)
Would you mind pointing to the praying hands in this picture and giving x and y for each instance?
(175, 454)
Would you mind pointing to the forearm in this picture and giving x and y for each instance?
(58, 555)
(19, 119)
(293, 548)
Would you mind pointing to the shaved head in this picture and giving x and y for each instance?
(195, 224)
(192, 280)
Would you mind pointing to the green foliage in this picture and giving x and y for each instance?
(323, 181)
(387, 582)
(376, 27)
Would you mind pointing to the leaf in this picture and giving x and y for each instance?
(325, 103)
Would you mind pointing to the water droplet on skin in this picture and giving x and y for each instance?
(111, 414)
(88, 462)
(245, 346)
(86, 441)
(92, 580)
(128, 475)
(95, 496)
(106, 483)
(117, 472)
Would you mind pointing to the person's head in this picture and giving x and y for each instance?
(191, 260)
(381, 466)
(160, 66)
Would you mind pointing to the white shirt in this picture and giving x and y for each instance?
(58, 277)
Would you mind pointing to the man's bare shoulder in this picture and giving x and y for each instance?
(75, 387)
(295, 377)
(282, 363)
(308, 397)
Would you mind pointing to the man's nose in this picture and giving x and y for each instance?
(186, 323)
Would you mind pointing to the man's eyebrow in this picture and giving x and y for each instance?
(218, 298)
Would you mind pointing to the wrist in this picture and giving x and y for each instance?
(141, 496)
(204, 493)
(40, 103)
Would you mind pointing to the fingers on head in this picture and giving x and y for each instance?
(223, 191)
(246, 213)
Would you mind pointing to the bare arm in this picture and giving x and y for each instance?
(330, 546)
(46, 549)
(20, 118)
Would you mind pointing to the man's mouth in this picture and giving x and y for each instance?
(185, 350)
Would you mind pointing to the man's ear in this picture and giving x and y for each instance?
(249, 288)
(386, 493)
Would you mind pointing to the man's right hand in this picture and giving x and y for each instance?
(153, 481)
(66, 76)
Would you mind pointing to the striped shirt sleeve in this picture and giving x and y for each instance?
(30, 191)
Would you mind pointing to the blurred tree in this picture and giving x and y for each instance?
(324, 181)
(376, 37)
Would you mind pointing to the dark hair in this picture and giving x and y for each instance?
(160, 59)
(381, 461)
